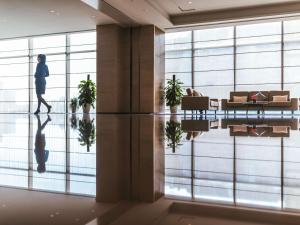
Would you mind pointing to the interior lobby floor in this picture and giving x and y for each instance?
(149, 169)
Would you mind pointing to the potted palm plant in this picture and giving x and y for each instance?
(173, 134)
(74, 104)
(174, 94)
(87, 133)
(87, 94)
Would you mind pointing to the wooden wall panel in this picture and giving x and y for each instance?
(130, 72)
(113, 158)
(113, 69)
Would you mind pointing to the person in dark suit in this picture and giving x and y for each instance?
(41, 154)
(40, 82)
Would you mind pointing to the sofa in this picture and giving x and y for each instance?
(273, 100)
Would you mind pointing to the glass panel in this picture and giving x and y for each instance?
(49, 44)
(14, 87)
(178, 37)
(10, 48)
(81, 64)
(83, 41)
(258, 29)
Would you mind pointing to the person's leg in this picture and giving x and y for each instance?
(46, 104)
(39, 104)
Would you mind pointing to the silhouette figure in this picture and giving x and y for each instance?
(41, 154)
(40, 82)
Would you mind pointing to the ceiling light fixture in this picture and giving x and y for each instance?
(52, 11)
(190, 2)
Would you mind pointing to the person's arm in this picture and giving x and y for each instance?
(36, 71)
(46, 71)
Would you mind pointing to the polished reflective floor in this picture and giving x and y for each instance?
(48, 153)
(240, 161)
(235, 160)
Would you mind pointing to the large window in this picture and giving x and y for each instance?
(215, 61)
(70, 58)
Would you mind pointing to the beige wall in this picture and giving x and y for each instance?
(130, 69)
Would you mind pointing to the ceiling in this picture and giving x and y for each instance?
(174, 7)
(172, 13)
(34, 17)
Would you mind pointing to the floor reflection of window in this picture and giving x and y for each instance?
(14, 151)
(258, 171)
(69, 168)
(54, 178)
(291, 172)
(252, 171)
(179, 171)
(213, 170)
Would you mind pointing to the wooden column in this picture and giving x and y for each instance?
(113, 69)
(130, 69)
(148, 69)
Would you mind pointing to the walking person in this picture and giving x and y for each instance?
(40, 82)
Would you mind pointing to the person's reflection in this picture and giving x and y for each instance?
(41, 154)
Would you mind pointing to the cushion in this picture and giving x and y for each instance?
(214, 103)
(189, 92)
(238, 93)
(240, 99)
(278, 93)
(239, 128)
(280, 129)
(196, 93)
(280, 98)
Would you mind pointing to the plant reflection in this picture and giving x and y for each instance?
(87, 132)
(173, 133)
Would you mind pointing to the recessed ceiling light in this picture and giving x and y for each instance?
(52, 11)
(190, 2)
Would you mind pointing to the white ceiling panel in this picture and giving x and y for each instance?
(34, 17)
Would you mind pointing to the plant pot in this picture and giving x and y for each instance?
(86, 108)
(173, 109)
(73, 108)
